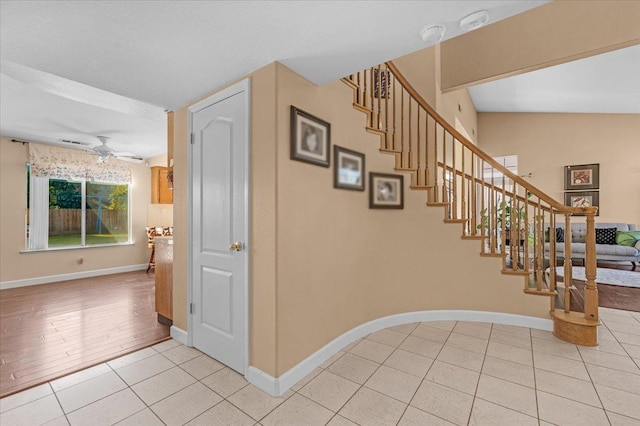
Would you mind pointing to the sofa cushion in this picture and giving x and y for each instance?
(579, 230)
(628, 238)
(601, 249)
(606, 236)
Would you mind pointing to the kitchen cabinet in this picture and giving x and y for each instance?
(160, 191)
(164, 278)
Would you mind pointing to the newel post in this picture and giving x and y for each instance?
(591, 288)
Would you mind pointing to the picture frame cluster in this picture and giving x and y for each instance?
(311, 143)
(577, 180)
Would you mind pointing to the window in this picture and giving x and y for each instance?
(74, 201)
(80, 213)
(510, 162)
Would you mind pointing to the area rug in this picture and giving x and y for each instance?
(606, 276)
(617, 289)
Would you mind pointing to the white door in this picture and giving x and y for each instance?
(220, 226)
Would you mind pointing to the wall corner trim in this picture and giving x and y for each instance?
(72, 276)
(264, 382)
(276, 386)
(179, 334)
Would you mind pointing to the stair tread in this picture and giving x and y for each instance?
(437, 204)
(516, 272)
(574, 318)
(376, 131)
(350, 83)
(455, 220)
(392, 151)
(541, 292)
(493, 254)
(473, 237)
(421, 187)
(362, 108)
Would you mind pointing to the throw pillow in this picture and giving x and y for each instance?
(559, 235)
(627, 238)
(606, 235)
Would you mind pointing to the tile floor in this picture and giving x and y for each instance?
(436, 373)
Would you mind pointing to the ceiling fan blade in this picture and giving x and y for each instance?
(131, 159)
(124, 154)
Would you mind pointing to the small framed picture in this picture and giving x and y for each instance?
(582, 199)
(386, 191)
(586, 176)
(348, 169)
(310, 138)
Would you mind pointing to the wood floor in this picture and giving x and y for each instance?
(50, 330)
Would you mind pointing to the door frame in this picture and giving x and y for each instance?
(242, 86)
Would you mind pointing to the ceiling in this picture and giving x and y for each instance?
(76, 70)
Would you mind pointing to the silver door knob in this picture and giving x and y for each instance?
(237, 246)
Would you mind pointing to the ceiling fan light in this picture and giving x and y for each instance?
(432, 34)
(473, 21)
(103, 158)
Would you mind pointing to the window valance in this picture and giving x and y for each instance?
(64, 163)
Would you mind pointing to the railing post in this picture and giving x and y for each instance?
(568, 272)
(591, 288)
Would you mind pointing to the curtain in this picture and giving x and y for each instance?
(39, 213)
(64, 163)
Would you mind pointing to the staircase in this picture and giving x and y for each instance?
(508, 216)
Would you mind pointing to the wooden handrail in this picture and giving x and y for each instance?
(506, 212)
(473, 148)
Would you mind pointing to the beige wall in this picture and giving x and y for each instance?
(545, 143)
(13, 203)
(262, 219)
(341, 264)
(322, 262)
(539, 38)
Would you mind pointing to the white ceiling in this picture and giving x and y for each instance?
(606, 83)
(76, 70)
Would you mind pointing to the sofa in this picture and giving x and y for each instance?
(609, 252)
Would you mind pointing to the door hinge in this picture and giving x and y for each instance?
(192, 308)
(193, 138)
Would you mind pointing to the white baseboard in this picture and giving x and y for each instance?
(179, 334)
(72, 276)
(276, 386)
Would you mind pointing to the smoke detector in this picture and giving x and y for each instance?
(473, 21)
(432, 34)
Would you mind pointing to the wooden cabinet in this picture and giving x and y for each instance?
(164, 278)
(160, 192)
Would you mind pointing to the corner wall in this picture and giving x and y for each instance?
(545, 143)
(341, 264)
(13, 204)
(322, 262)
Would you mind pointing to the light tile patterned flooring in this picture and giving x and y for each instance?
(435, 373)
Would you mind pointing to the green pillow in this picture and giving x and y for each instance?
(627, 238)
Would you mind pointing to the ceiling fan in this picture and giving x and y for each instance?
(104, 151)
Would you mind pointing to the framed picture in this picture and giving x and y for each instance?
(386, 191)
(582, 199)
(310, 138)
(586, 176)
(348, 169)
